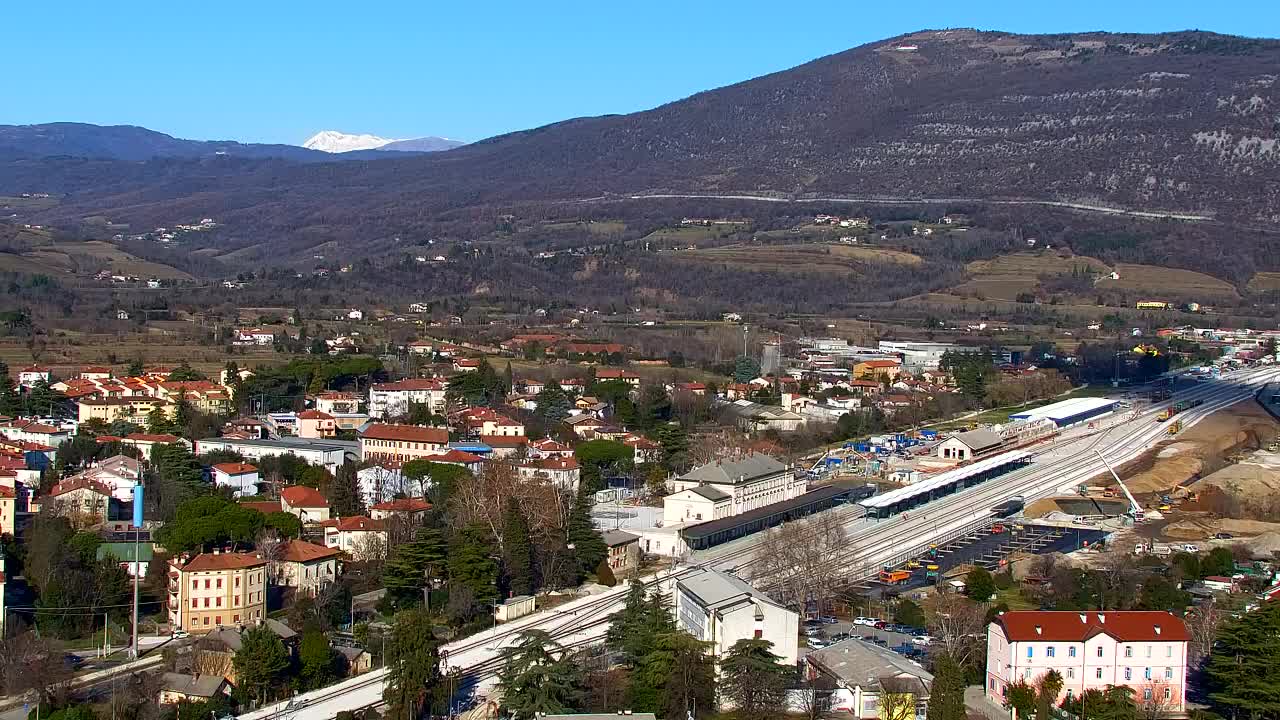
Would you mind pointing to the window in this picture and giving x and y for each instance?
(1071, 652)
(1099, 651)
(1099, 674)
(1168, 673)
(219, 602)
(1148, 651)
(206, 583)
(1049, 651)
(1071, 672)
(1128, 651)
(1128, 673)
(237, 581)
(1069, 694)
(759, 634)
(195, 603)
(218, 620)
(1030, 652)
(206, 619)
(1146, 694)
(1168, 651)
(1026, 674)
(235, 618)
(1168, 694)
(206, 602)
(219, 583)
(991, 684)
(195, 584)
(1146, 674)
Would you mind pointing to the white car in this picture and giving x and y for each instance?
(864, 621)
(923, 640)
(1191, 548)
(179, 634)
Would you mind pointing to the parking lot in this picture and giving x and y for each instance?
(829, 633)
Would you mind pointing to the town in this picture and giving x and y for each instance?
(332, 530)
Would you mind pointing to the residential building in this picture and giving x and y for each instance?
(722, 609)
(563, 472)
(203, 395)
(8, 513)
(134, 558)
(875, 369)
(146, 442)
(861, 675)
(253, 336)
(393, 399)
(411, 509)
(316, 424)
(133, 409)
(501, 446)
(1145, 651)
(215, 589)
(549, 448)
(242, 478)
(644, 449)
(968, 445)
(756, 417)
(33, 375)
(338, 403)
(752, 481)
(329, 453)
(33, 431)
(696, 504)
(485, 422)
(120, 473)
(306, 503)
(608, 374)
(355, 661)
(360, 537)
(216, 650)
(624, 551)
(305, 566)
(585, 426)
(83, 501)
(178, 687)
(400, 443)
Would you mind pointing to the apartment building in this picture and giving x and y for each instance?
(401, 443)
(215, 589)
(392, 399)
(1143, 650)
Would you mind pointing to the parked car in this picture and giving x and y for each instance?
(880, 625)
(922, 640)
(1223, 536)
(812, 631)
(816, 643)
(829, 619)
(839, 637)
(864, 621)
(1191, 548)
(879, 641)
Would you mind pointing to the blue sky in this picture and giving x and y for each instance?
(278, 70)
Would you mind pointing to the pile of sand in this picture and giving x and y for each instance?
(1265, 546)
(1204, 528)
(1252, 484)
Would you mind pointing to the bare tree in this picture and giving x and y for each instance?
(484, 500)
(795, 560)
(269, 545)
(34, 664)
(958, 626)
(1202, 623)
(1156, 700)
(898, 698)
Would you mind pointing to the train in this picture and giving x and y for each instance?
(1180, 406)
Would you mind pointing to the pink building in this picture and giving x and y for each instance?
(1144, 650)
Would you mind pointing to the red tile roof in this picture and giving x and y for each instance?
(455, 456)
(163, 439)
(553, 463)
(266, 507)
(1066, 626)
(302, 551)
(407, 433)
(411, 384)
(235, 468)
(881, 363)
(303, 497)
(78, 483)
(410, 505)
(504, 441)
(314, 415)
(205, 562)
(358, 523)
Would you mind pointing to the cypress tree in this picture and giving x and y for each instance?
(588, 545)
(518, 552)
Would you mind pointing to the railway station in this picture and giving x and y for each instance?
(717, 532)
(905, 498)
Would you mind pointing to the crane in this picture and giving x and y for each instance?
(1134, 508)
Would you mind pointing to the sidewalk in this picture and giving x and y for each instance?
(976, 703)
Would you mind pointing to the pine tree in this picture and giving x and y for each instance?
(1245, 663)
(538, 677)
(345, 498)
(470, 563)
(628, 626)
(588, 545)
(517, 552)
(260, 663)
(406, 573)
(552, 404)
(754, 679)
(946, 697)
(316, 659)
(676, 677)
(413, 665)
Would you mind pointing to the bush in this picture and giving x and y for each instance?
(604, 574)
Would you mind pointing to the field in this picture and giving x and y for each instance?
(1265, 282)
(67, 352)
(13, 204)
(602, 228)
(840, 259)
(692, 235)
(1159, 280)
(1004, 277)
(83, 258)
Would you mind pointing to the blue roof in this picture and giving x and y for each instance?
(471, 447)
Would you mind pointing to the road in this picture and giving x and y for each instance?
(1058, 466)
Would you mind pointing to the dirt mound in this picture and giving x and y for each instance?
(1266, 545)
(1203, 528)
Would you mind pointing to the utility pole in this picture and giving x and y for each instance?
(137, 529)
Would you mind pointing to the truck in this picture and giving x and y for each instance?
(894, 577)
(1008, 507)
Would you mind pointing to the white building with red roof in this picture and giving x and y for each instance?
(359, 536)
(305, 502)
(401, 443)
(412, 509)
(563, 472)
(1145, 651)
(393, 399)
(305, 566)
(242, 478)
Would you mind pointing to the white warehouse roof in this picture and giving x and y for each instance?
(1061, 411)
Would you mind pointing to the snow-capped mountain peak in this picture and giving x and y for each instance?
(332, 141)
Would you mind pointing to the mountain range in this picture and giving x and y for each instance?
(333, 141)
(1181, 123)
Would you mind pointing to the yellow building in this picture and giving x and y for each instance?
(81, 500)
(215, 589)
(128, 409)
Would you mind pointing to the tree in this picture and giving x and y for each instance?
(260, 663)
(754, 680)
(1219, 561)
(436, 481)
(946, 697)
(596, 458)
(413, 664)
(184, 373)
(906, 612)
(676, 677)
(517, 552)
(588, 545)
(1159, 593)
(552, 404)
(745, 369)
(210, 520)
(604, 574)
(316, 658)
(979, 585)
(345, 498)
(471, 563)
(1048, 687)
(1021, 697)
(405, 574)
(628, 626)
(538, 677)
(1244, 665)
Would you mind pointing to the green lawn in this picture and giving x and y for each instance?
(1014, 599)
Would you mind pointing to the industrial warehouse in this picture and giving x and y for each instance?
(1070, 412)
